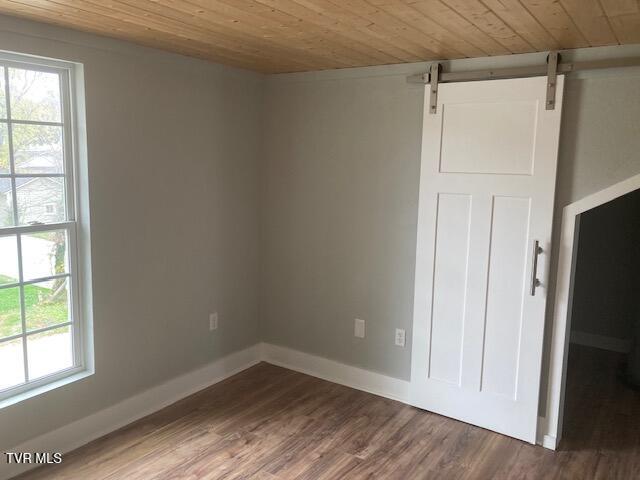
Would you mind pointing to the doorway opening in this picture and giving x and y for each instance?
(602, 402)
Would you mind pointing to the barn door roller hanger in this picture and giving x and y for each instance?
(552, 69)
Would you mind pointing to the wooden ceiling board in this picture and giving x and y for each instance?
(624, 17)
(335, 18)
(419, 42)
(613, 8)
(272, 27)
(513, 13)
(488, 22)
(555, 19)
(116, 12)
(408, 14)
(276, 36)
(444, 15)
(590, 19)
(96, 24)
(373, 47)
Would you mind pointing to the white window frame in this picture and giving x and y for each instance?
(78, 321)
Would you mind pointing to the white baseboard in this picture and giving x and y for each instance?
(601, 341)
(337, 372)
(549, 442)
(82, 431)
(542, 437)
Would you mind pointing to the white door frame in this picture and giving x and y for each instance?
(563, 299)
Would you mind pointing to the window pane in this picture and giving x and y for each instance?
(4, 148)
(40, 199)
(44, 254)
(34, 95)
(3, 102)
(8, 259)
(6, 203)
(12, 361)
(49, 352)
(46, 304)
(37, 148)
(10, 319)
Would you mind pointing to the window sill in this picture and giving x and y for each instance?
(70, 376)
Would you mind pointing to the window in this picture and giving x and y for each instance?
(40, 318)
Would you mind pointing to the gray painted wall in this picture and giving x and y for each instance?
(339, 217)
(173, 178)
(607, 275)
(340, 196)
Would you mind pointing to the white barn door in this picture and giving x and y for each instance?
(487, 186)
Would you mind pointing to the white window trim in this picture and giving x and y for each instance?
(72, 90)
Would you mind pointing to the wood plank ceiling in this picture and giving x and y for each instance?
(274, 36)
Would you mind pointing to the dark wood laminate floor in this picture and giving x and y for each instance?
(268, 423)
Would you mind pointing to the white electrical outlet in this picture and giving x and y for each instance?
(358, 329)
(213, 321)
(400, 337)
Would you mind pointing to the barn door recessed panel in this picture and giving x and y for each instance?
(471, 143)
(487, 185)
(449, 286)
(505, 296)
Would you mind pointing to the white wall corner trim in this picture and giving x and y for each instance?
(601, 341)
(80, 432)
(561, 326)
(336, 372)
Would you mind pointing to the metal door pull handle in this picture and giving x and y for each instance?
(537, 250)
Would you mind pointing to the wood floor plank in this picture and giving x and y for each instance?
(269, 423)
